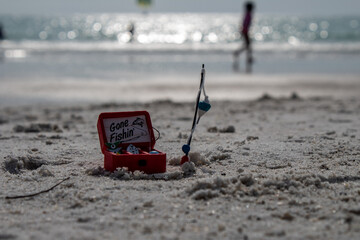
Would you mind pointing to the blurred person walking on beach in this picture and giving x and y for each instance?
(244, 30)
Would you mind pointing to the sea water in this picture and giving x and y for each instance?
(99, 47)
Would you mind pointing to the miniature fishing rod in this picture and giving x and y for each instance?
(201, 108)
(197, 103)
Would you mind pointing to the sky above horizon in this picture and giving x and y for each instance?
(283, 7)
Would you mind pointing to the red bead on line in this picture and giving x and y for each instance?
(184, 159)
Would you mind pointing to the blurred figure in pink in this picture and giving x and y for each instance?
(244, 30)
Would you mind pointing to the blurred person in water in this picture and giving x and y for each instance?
(2, 34)
(2, 37)
(131, 30)
(244, 31)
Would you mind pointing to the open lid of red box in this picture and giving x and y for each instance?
(126, 127)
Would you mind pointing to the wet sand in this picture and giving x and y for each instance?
(137, 87)
(268, 168)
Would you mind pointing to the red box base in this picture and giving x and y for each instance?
(147, 163)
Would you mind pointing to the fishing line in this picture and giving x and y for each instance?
(158, 133)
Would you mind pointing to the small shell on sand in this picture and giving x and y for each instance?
(188, 168)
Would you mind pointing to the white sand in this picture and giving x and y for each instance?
(290, 170)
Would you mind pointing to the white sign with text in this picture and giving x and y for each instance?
(126, 129)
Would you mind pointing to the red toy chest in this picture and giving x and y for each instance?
(123, 129)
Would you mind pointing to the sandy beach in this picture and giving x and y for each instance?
(276, 157)
(275, 167)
